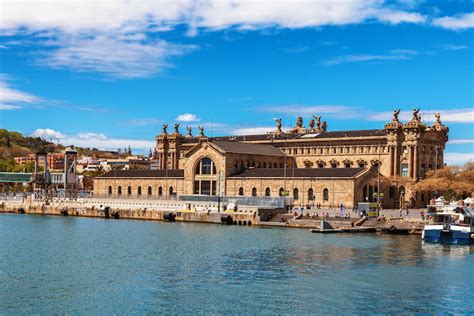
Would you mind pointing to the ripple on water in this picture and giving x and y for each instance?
(57, 265)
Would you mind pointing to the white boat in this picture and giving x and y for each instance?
(454, 226)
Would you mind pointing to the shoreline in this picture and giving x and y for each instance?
(94, 209)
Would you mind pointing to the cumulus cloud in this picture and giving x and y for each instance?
(93, 140)
(48, 133)
(459, 22)
(187, 117)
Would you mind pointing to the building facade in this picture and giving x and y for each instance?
(310, 164)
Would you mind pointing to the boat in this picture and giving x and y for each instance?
(451, 226)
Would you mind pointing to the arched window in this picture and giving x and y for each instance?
(139, 190)
(160, 191)
(129, 190)
(119, 190)
(326, 194)
(149, 190)
(241, 191)
(281, 192)
(171, 191)
(205, 181)
(254, 191)
(310, 194)
(206, 166)
(267, 192)
(295, 194)
(110, 189)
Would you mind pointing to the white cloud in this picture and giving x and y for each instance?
(9, 107)
(459, 22)
(91, 135)
(252, 130)
(119, 38)
(48, 133)
(115, 56)
(12, 99)
(454, 47)
(93, 140)
(465, 115)
(187, 117)
(461, 141)
(452, 158)
(364, 57)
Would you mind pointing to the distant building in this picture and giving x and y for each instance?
(129, 163)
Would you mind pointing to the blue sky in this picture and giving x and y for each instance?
(110, 73)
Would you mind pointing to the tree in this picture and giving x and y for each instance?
(452, 183)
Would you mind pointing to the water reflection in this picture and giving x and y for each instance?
(87, 266)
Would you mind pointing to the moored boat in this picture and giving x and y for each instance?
(454, 226)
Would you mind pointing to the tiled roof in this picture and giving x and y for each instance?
(300, 173)
(247, 148)
(175, 173)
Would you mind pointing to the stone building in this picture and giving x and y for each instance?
(310, 164)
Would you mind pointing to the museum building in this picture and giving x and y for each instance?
(312, 165)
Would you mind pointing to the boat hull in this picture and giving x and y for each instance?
(448, 236)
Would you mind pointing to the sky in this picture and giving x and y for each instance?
(109, 74)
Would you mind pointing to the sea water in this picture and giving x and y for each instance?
(71, 265)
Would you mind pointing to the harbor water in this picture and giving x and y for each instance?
(73, 265)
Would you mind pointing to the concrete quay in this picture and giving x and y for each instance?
(127, 209)
(201, 212)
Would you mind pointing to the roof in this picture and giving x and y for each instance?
(246, 148)
(173, 173)
(300, 173)
(309, 135)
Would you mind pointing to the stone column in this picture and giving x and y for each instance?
(392, 160)
(415, 161)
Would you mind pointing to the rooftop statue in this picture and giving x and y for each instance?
(201, 131)
(165, 126)
(416, 115)
(176, 128)
(299, 121)
(318, 121)
(278, 122)
(438, 117)
(395, 115)
(190, 131)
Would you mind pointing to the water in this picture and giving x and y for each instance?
(57, 265)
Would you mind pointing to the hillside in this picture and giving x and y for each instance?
(14, 144)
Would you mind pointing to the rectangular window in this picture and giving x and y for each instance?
(404, 170)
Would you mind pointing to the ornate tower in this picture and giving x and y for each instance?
(394, 143)
(412, 132)
(167, 147)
